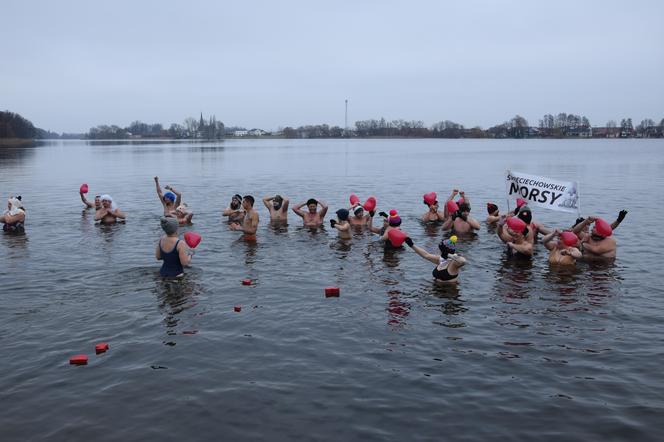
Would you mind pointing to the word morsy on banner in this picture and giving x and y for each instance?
(543, 192)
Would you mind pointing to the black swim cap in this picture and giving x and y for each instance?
(312, 201)
(342, 214)
(525, 214)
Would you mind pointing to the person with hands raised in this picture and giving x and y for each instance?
(169, 200)
(313, 217)
(278, 208)
(447, 262)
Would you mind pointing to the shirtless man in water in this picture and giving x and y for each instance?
(234, 211)
(108, 214)
(88, 204)
(278, 207)
(250, 222)
(461, 222)
(312, 218)
(599, 244)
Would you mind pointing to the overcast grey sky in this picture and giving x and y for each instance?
(71, 65)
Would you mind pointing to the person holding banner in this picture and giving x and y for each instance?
(563, 251)
(513, 232)
(599, 244)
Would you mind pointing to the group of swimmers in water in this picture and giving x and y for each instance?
(517, 229)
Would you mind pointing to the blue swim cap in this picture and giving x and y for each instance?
(170, 196)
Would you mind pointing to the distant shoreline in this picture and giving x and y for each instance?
(16, 142)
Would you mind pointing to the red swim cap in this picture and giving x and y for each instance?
(451, 206)
(569, 239)
(516, 224)
(520, 202)
(603, 228)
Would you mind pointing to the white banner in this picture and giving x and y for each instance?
(543, 192)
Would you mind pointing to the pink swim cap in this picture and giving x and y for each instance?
(569, 239)
(603, 228)
(520, 202)
(515, 224)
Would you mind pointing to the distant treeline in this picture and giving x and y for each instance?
(562, 125)
(209, 129)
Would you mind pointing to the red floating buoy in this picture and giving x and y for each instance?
(237, 308)
(331, 292)
(246, 282)
(78, 360)
(102, 347)
(354, 199)
(451, 206)
(84, 188)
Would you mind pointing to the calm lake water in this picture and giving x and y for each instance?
(516, 352)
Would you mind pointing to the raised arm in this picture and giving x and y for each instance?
(298, 211)
(266, 202)
(582, 225)
(284, 205)
(423, 253)
(621, 216)
(86, 202)
(159, 193)
(178, 195)
(323, 210)
(373, 229)
(465, 198)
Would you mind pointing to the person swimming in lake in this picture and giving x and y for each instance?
(461, 222)
(448, 262)
(278, 208)
(390, 222)
(598, 244)
(313, 217)
(513, 232)
(174, 253)
(433, 215)
(13, 218)
(585, 229)
(562, 247)
(234, 211)
(341, 224)
(88, 205)
(183, 214)
(169, 200)
(534, 228)
(109, 212)
(249, 224)
(493, 214)
(359, 218)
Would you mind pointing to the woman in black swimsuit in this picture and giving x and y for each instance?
(447, 263)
